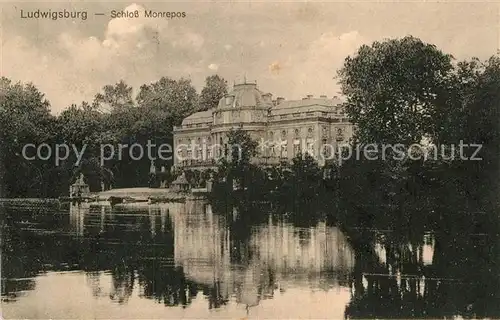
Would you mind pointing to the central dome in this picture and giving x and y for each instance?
(246, 95)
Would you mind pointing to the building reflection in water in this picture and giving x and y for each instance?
(275, 256)
(77, 213)
(181, 253)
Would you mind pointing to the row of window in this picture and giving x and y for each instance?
(297, 133)
(310, 131)
(285, 116)
(275, 150)
(308, 114)
(198, 141)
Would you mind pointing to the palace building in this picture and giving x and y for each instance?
(316, 125)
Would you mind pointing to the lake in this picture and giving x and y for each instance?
(184, 260)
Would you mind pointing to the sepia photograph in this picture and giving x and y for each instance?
(249, 159)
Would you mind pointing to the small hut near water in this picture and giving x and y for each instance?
(79, 188)
(180, 184)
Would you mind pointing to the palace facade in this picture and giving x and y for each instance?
(283, 128)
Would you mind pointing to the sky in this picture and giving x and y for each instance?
(291, 49)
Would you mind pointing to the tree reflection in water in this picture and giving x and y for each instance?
(461, 278)
(172, 253)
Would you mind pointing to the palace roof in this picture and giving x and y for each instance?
(248, 95)
(306, 105)
(198, 117)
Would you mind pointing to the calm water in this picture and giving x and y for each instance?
(177, 261)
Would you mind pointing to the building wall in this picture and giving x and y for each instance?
(299, 127)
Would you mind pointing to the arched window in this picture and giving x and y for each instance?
(325, 131)
(326, 149)
(340, 134)
(309, 132)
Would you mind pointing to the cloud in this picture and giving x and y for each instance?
(213, 66)
(277, 44)
(189, 40)
(316, 71)
(275, 67)
(76, 67)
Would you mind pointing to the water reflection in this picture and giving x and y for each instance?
(276, 255)
(194, 261)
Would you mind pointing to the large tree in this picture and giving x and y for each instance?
(176, 98)
(392, 89)
(24, 119)
(214, 90)
(115, 97)
(237, 165)
(86, 128)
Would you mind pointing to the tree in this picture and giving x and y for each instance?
(115, 97)
(84, 126)
(392, 89)
(305, 177)
(237, 165)
(480, 126)
(24, 119)
(176, 98)
(214, 90)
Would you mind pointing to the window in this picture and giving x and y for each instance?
(310, 146)
(219, 147)
(309, 132)
(309, 114)
(326, 149)
(296, 146)
(283, 134)
(283, 116)
(284, 149)
(297, 132)
(273, 149)
(296, 115)
(340, 134)
(325, 131)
